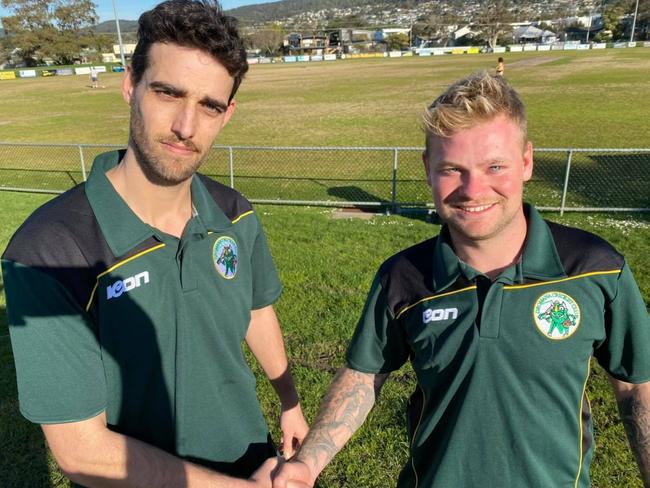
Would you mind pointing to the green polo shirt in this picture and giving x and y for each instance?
(502, 365)
(107, 313)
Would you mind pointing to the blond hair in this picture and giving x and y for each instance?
(477, 98)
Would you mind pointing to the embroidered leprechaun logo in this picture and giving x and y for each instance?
(556, 315)
(224, 255)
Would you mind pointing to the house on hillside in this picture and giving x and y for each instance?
(532, 34)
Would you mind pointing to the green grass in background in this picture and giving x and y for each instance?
(326, 266)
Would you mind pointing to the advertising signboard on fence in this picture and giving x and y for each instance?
(48, 72)
(27, 73)
(253, 60)
(599, 45)
(316, 57)
(499, 49)
(264, 60)
(424, 52)
(619, 45)
(544, 47)
(530, 47)
(289, 59)
(7, 75)
(394, 54)
(570, 46)
(558, 46)
(64, 72)
(330, 57)
(473, 50)
(631, 44)
(646, 44)
(582, 46)
(438, 51)
(117, 69)
(100, 68)
(515, 49)
(85, 70)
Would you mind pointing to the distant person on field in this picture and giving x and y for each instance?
(129, 296)
(499, 315)
(94, 77)
(500, 66)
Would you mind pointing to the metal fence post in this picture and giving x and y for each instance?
(83, 162)
(566, 181)
(232, 167)
(393, 196)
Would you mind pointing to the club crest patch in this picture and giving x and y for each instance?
(225, 257)
(556, 315)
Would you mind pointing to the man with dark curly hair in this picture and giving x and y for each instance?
(125, 321)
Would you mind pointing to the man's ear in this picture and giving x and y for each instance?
(528, 161)
(127, 85)
(229, 111)
(427, 168)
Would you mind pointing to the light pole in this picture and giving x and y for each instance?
(636, 9)
(589, 28)
(119, 34)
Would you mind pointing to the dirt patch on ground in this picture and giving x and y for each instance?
(534, 61)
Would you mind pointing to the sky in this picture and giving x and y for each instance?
(131, 9)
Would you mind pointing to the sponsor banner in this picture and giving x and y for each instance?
(530, 47)
(317, 57)
(395, 54)
(329, 57)
(620, 45)
(264, 60)
(458, 51)
(544, 47)
(100, 69)
(253, 60)
(646, 44)
(425, 53)
(631, 44)
(302, 58)
(422, 51)
(82, 71)
(7, 75)
(473, 50)
(599, 45)
(64, 72)
(407, 53)
(117, 69)
(499, 49)
(558, 46)
(515, 49)
(289, 59)
(48, 72)
(438, 51)
(570, 46)
(27, 73)
(582, 46)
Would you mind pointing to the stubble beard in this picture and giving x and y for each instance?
(169, 172)
(468, 234)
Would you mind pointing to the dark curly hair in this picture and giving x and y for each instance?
(199, 24)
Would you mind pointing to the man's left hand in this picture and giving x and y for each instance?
(294, 430)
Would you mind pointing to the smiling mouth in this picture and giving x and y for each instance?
(474, 209)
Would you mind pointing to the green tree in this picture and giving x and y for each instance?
(57, 29)
(395, 42)
(493, 20)
(613, 17)
(267, 39)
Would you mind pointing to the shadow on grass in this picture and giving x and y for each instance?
(22, 177)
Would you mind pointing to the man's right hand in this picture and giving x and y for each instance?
(293, 474)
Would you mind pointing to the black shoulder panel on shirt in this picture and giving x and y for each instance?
(583, 252)
(62, 238)
(230, 201)
(407, 276)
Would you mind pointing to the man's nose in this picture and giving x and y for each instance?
(184, 124)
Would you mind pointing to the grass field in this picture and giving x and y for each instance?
(594, 99)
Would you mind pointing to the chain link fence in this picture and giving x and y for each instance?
(391, 178)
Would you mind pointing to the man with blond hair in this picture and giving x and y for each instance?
(499, 315)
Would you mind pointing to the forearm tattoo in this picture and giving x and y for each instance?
(344, 409)
(635, 414)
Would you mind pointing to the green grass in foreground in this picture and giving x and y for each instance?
(326, 266)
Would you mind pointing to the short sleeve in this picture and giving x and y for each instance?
(378, 344)
(625, 353)
(266, 284)
(57, 356)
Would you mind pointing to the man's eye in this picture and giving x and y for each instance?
(495, 168)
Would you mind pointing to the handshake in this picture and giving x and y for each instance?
(278, 473)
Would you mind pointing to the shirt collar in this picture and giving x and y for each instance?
(539, 260)
(122, 228)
